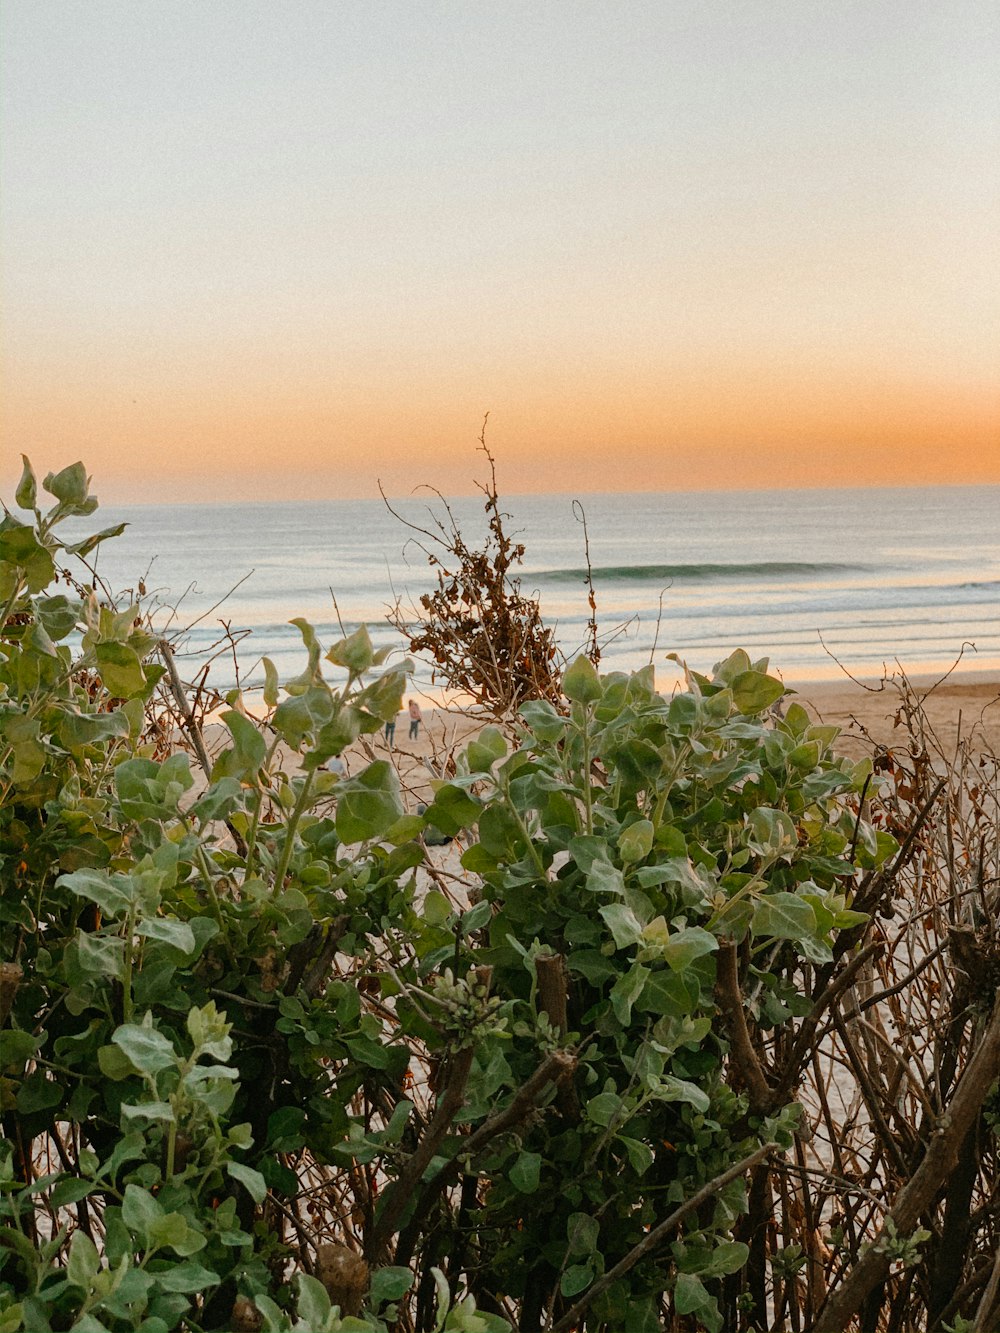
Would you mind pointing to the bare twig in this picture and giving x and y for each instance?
(653, 1239)
(918, 1192)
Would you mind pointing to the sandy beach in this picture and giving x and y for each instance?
(963, 706)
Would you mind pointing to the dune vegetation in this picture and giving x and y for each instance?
(661, 1014)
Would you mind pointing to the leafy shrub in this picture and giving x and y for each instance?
(264, 1063)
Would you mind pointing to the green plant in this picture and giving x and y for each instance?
(627, 847)
(266, 1060)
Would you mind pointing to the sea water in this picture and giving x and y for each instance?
(867, 577)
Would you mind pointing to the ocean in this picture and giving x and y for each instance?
(804, 577)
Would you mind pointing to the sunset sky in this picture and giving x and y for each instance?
(283, 249)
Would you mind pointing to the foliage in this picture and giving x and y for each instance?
(266, 1064)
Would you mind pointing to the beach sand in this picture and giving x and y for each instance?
(964, 706)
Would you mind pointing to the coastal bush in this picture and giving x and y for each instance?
(270, 1060)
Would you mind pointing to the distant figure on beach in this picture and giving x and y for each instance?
(390, 732)
(416, 717)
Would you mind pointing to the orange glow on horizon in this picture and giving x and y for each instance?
(620, 430)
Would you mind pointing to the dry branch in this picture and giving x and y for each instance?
(920, 1190)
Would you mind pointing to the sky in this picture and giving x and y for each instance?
(287, 249)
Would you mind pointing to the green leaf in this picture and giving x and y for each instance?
(626, 991)
(684, 946)
(452, 809)
(16, 1047)
(355, 652)
(270, 682)
(219, 801)
(784, 916)
(251, 1179)
(99, 955)
(312, 672)
(485, 750)
(753, 691)
(604, 1108)
(83, 1262)
(389, 1284)
(581, 683)
(805, 756)
(436, 908)
(187, 1277)
(543, 719)
(88, 1323)
(88, 544)
(71, 1190)
(575, 1278)
(249, 751)
(294, 719)
(636, 841)
(640, 1155)
(729, 1256)
(59, 615)
(148, 1111)
(313, 1305)
(384, 696)
(26, 494)
(13, 1318)
(582, 1232)
(69, 485)
(149, 1050)
(477, 917)
(525, 1173)
(114, 896)
(771, 832)
(140, 1212)
(173, 1230)
(621, 921)
(120, 670)
(369, 804)
(20, 546)
(168, 930)
(690, 1294)
(38, 1093)
(673, 1089)
(78, 730)
(735, 665)
(603, 877)
(114, 1063)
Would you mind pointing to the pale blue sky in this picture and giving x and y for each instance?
(336, 232)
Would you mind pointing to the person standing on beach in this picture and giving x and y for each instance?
(416, 717)
(390, 733)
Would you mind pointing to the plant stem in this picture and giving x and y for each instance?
(11, 602)
(255, 819)
(206, 874)
(127, 979)
(532, 849)
(588, 799)
(296, 815)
